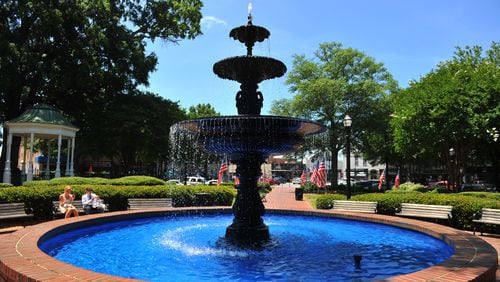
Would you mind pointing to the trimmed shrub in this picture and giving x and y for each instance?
(411, 187)
(325, 201)
(3, 185)
(71, 180)
(137, 180)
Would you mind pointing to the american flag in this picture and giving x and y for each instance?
(223, 168)
(303, 178)
(320, 179)
(397, 181)
(381, 179)
(314, 172)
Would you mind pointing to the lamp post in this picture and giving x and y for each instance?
(452, 171)
(347, 126)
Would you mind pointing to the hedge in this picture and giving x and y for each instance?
(465, 205)
(136, 180)
(40, 197)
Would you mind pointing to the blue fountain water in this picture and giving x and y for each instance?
(191, 248)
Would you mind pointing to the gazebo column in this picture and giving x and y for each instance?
(47, 168)
(6, 171)
(58, 163)
(71, 170)
(29, 176)
(23, 162)
(66, 173)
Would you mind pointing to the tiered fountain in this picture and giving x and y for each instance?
(248, 138)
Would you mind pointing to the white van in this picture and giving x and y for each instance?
(195, 180)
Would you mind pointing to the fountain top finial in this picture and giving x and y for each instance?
(249, 13)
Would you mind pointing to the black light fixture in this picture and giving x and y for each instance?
(347, 126)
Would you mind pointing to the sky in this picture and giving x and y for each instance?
(409, 37)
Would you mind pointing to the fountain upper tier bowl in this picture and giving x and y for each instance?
(235, 135)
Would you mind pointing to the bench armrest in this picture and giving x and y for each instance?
(477, 215)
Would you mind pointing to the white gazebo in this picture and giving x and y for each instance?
(44, 122)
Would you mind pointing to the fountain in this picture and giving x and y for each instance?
(248, 138)
(184, 244)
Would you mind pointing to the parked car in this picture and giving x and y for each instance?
(479, 185)
(211, 182)
(279, 179)
(270, 181)
(442, 184)
(195, 180)
(343, 181)
(296, 180)
(370, 185)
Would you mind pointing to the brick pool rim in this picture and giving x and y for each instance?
(22, 260)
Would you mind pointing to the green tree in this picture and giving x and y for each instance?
(78, 55)
(336, 82)
(137, 129)
(202, 110)
(455, 106)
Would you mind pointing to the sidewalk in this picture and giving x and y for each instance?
(283, 197)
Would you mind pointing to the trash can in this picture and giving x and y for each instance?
(299, 194)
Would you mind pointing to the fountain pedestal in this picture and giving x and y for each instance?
(248, 226)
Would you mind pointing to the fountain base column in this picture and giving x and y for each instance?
(248, 228)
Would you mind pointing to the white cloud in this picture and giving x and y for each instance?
(209, 21)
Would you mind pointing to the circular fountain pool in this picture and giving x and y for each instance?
(192, 248)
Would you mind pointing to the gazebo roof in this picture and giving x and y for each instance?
(43, 120)
(42, 113)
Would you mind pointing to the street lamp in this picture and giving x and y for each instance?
(452, 171)
(347, 126)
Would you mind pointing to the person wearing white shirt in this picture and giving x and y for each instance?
(91, 202)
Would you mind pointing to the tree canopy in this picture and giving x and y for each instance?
(80, 55)
(202, 110)
(336, 82)
(457, 106)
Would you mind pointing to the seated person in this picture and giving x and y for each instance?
(66, 203)
(91, 202)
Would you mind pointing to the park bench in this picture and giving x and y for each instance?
(149, 203)
(77, 204)
(425, 211)
(14, 210)
(486, 216)
(355, 206)
(57, 213)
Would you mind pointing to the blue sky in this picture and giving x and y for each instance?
(409, 37)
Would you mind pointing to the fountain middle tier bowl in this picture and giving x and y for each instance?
(240, 135)
(249, 68)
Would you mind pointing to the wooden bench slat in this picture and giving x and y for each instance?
(13, 210)
(425, 211)
(488, 216)
(355, 206)
(149, 203)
